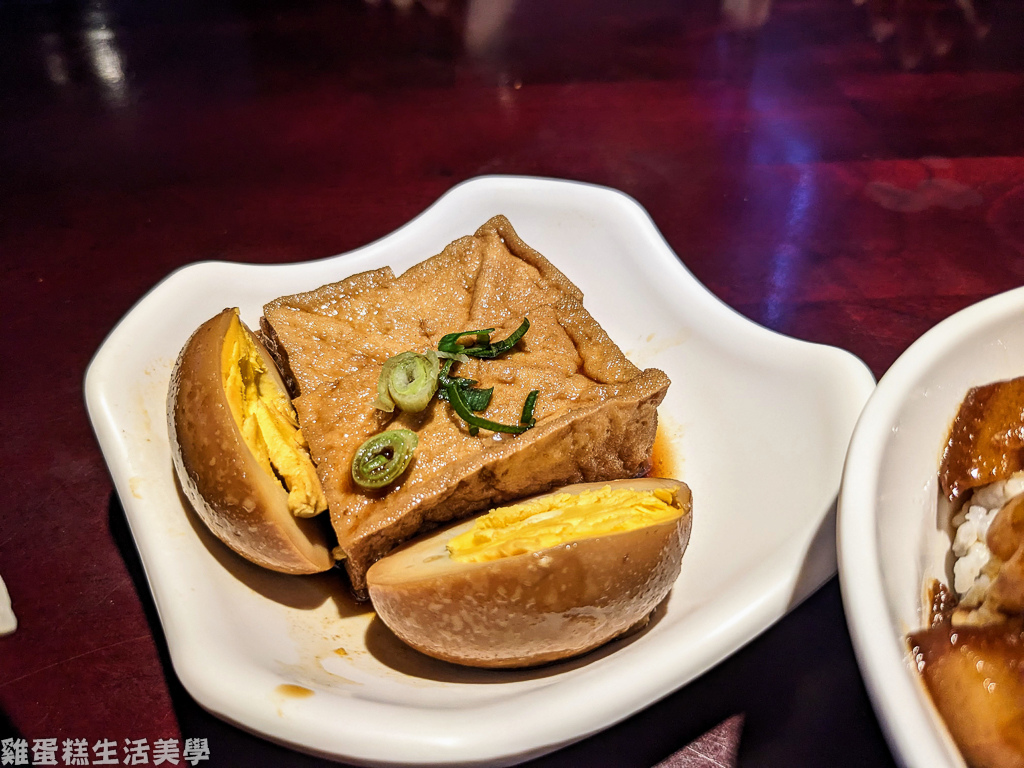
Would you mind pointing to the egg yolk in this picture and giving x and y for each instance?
(560, 518)
(267, 421)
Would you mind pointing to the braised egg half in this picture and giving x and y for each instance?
(239, 453)
(548, 578)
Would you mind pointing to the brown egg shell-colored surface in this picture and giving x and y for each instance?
(535, 607)
(245, 507)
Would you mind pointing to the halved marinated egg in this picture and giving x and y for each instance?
(551, 577)
(239, 453)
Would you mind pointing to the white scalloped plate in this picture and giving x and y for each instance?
(758, 424)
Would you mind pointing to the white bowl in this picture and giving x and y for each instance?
(890, 534)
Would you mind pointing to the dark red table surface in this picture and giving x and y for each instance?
(847, 175)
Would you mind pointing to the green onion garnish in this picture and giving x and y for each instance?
(408, 380)
(531, 401)
(450, 342)
(463, 394)
(382, 458)
(483, 348)
(476, 399)
(475, 422)
(501, 347)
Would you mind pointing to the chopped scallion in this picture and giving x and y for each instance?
(483, 348)
(531, 402)
(476, 423)
(383, 458)
(408, 380)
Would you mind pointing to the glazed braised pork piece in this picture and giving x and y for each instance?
(971, 656)
(975, 676)
(982, 470)
(986, 443)
(595, 414)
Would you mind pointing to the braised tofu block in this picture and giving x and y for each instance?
(595, 414)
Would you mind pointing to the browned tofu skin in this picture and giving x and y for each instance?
(986, 443)
(596, 414)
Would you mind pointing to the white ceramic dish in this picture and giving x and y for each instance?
(758, 425)
(891, 537)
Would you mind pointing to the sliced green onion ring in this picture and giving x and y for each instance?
(408, 380)
(383, 458)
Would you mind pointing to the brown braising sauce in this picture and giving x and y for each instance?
(663, 459)
(289, 691)
(975, 676)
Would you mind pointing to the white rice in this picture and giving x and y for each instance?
(975, 568)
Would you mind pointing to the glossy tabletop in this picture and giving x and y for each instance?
(842, 174)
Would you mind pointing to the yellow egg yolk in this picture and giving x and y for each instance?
(560, 518)
(267, 421)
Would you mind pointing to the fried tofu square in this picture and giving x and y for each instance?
(596, 414)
